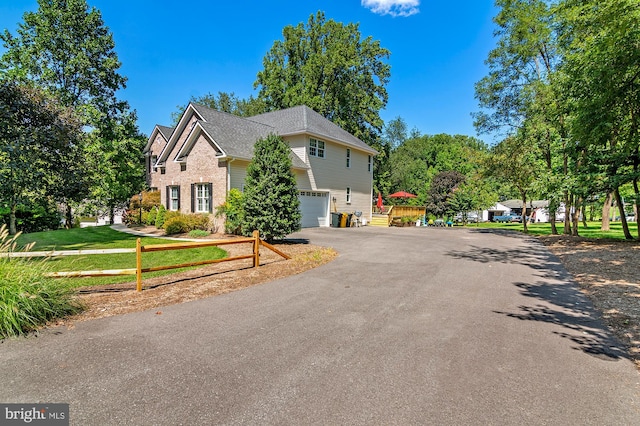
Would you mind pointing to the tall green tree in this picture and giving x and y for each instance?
(395, 132)
(514, 163)
(65, 48)
(270, 201)
(415, 163)
(602, 67)
(36, 133)
(116, 160)
(521, 90)
(328, 66)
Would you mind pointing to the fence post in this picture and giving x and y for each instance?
(256, 249)
(138, 265)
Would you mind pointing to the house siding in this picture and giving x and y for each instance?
(238, 173)
(332, 173)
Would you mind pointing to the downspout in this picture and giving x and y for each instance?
(229, 161)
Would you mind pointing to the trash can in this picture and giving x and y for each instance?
(335, 219)
(343, 220)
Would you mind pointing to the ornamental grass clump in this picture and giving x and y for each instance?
(28, 298)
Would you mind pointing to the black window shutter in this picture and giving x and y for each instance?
(178, 197)
(210, 185)
(193, 198)
(167, 201)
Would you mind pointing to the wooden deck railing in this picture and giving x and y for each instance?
(395, 212)
(255, 242)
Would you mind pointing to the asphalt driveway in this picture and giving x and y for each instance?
(407, 326)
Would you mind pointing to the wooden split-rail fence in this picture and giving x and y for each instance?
(255, 242)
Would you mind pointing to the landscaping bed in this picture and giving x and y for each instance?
(114, 299)
(608, 272)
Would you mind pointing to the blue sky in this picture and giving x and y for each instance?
(171, 50)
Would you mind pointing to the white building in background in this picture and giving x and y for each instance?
(540, 210)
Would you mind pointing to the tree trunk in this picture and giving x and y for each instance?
(553, 209)
(575, 217)
(12, 219)
(68, 216)
(606, 213)
(567, 213)
(523, 216)
(584, 214)
(635, 202)
(625, 225)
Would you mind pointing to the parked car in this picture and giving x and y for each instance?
(511, 217)
(471, 218)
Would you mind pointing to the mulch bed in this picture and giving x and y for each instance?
(608, 272)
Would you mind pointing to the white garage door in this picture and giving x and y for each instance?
(314, 206)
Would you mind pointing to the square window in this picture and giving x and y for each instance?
(316, 148)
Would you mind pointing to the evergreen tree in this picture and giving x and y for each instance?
(271, 203)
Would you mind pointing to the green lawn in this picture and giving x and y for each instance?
(591, 231)
(103, 237)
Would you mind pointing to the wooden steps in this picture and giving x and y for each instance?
(379, 220)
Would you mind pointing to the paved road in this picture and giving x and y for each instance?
(407, 326)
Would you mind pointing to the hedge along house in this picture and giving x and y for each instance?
(196, 163)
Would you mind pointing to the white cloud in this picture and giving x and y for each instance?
(393, 7)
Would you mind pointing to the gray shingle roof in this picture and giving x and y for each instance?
(236, 135)
(302, 119)
(166, 131)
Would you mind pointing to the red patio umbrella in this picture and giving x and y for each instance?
(402, 194)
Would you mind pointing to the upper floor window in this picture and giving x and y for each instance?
(316, 148)
(370, 164)
(348, 157)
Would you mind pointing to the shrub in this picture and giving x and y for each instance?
(160, 216)
(176, 225)
(151, 216)
(198, 233)
(232, 212)
(28, 299)
(170, 215)
(33, 217)
(197, 221)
